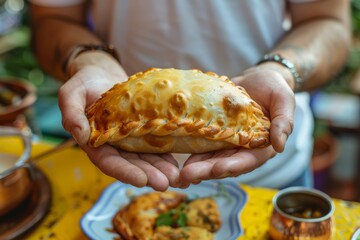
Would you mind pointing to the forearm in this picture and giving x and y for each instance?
(317, 45)
(56, 31)
(318, 50)
(54, 39)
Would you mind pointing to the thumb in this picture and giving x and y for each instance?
(282, 122)
(80, 132)
(72, 107)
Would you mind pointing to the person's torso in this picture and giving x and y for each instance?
(225, 37)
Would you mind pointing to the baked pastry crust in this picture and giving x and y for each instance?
(178, 111)
(137, 219)
(203, 213)
(169, 233)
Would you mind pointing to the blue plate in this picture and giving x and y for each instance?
(356, 234)
(96, 223)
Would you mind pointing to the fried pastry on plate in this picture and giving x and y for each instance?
(137, 219)
(203, 213)
(156, 216)
(182, 233)
(179, 111)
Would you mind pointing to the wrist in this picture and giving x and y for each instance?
(100, 60)
(285, 67)
(278, 68)
(99, 53)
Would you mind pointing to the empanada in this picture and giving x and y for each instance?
(203, 213)
(183, 233)
(137, 219)
(178, 111)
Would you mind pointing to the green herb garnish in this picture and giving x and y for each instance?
(181, 220)
(173, 218)
(165, 219)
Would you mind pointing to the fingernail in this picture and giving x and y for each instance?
(141, 180)
(76, 133)
(283, 138)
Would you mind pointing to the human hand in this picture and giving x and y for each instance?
(270, 90)
(82, 89)
(223, 164)
(273, 93)
(158, 171)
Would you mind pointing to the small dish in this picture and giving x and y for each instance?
(356, 234)
(15, 172)
(30, 212)
(96, 223)
(302, 213)
(16, 96)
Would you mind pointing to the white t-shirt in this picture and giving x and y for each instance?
(225, 37)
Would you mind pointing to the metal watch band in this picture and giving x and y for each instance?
(288, 64)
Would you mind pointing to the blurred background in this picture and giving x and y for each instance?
(336, 106)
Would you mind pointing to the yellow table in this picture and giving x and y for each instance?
(76, 184)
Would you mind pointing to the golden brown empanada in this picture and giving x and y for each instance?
(137, 219)
(179, 111)
(203, 213)
(183, 233)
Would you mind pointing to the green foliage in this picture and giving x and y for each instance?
(17, 59)
(355, 10)
(341, 83)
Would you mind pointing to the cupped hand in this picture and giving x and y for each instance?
(223, 164)
(76, 94)
(87, 85)
(158, 171)
(270, 90)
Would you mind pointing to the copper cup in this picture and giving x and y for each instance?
(302, 213)
(15, 173)
(25, 94)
